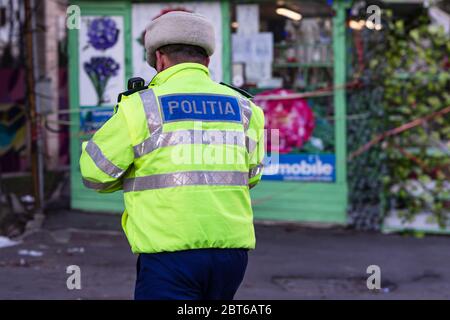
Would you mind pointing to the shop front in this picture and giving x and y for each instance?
(289, 54)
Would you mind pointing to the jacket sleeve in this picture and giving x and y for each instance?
(108, 155)
(256, 146)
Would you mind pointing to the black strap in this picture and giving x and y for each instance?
(128, 92)
(241, 91)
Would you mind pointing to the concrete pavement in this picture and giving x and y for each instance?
(290, 262)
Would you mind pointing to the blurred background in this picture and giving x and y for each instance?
(360, 94)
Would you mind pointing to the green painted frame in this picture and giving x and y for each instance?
(81, 197)
(226, 39)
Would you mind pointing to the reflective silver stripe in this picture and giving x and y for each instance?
(255, 171)
(250, 144)
(151, 110)
(101, 161)
(97, 185)
(173, 138)
(186, 178)
(246, 112)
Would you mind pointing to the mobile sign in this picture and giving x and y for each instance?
(302, 167)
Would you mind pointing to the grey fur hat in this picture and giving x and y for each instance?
(178, 27)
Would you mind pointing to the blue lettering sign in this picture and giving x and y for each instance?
(302, 167)
(204, 107)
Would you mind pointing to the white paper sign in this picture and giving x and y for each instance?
(247, 17)
(255, 47)
(143, 13)
(256, 51)
(258, 71)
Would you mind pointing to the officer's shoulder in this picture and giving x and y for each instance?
(130, 93)
(242, 92)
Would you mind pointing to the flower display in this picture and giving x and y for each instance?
(292, 117)
(100, 70)
(102, 33)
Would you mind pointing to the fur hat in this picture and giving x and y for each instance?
(178, 27)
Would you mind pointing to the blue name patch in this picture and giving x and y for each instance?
(207, 107)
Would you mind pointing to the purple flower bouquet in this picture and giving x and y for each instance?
(100, 70)
(103, 33)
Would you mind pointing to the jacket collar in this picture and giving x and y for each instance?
(163, 76)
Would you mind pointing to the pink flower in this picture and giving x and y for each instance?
(293, 117)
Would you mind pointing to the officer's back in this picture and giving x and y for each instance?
(185, 152)
(191, 163)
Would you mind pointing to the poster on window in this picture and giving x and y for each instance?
(143, 13)
(101, 60)
(304, 139)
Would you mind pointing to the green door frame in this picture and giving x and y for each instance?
(81, 197)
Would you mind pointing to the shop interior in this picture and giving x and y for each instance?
(283, 49)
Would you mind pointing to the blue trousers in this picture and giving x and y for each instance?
(200, 274)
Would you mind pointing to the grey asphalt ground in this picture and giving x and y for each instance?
(290, 262)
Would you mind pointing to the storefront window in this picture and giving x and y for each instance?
(282, 53)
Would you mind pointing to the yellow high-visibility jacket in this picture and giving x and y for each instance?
(184, 151)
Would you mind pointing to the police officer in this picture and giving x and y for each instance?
(185, 150)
